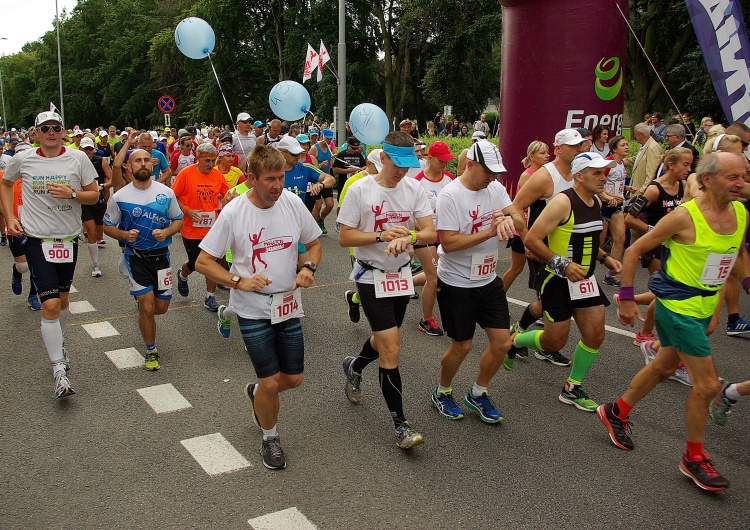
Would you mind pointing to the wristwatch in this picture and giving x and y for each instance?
(234, 282)
(310, 265)
(73, 194)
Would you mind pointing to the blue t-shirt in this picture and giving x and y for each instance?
(158, 168)
(300, 177)
(145, 210)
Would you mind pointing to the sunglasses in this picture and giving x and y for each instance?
(244, 121)
(46, 128)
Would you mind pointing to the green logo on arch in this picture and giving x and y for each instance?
(606, 70)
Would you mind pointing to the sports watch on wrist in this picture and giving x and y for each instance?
(310, 265)
(73, 194)
(234, 282)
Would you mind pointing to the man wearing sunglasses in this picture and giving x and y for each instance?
(56, 182)
(243, 141)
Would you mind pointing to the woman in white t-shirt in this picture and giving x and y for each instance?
(600, 141)
(612, 199)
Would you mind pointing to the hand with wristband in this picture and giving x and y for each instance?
(627, 309)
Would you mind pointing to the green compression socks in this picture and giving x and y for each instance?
(530, 339)
(583, 358)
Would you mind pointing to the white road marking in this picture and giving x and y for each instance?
(289, 519)
(215, 454)
(97, 330)
(80, 307)
(164, 398)
(125, 358)
(608, 328)
(73, 289)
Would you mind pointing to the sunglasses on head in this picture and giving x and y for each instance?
(46, 128)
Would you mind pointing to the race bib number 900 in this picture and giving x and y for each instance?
(58, 251)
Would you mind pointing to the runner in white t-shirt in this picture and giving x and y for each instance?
(262, 228)
(380, 217)
(474, 214)
(56, 181)
(433, 179)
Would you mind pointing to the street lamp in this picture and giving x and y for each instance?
(2, 94)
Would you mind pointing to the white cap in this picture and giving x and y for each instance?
(590, 160)
(243, 116)
(568, 137)
(13, 129)
(103, 134)
(486, 154)
(478, 135)
(47, 116)
(87, 142)
(287, 143)
(154, 135)
(374, 157)
(22, 146)
(78, 132)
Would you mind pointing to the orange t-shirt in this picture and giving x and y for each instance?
(197, 191)
(17, 200)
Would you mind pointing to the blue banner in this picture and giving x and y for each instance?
(723, 40)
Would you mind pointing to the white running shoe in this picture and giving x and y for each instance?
(96, 272)
(62, 386)
(681, 376)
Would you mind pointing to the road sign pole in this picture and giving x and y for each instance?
(167, 120)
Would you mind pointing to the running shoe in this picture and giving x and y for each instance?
(273, 454)
(703, 473)
(101, 244)
(416, 267)
(740, 327)
(618, 429)
(616, 300)
(509, 362)
(16, 281)
(430, 326)
(681, 376)
(66, 359)
(643, 338)
(211, 304)
(353, 306)
(152, 360)
(224, 323)
(407, 437)
(483, 406)
(578, 398)
(522, 352)
(612, 280)
(539, 322)
(647, 348)
(34, 303)
(353, 380)
(553, 357)
(182, 285)
(445, 404)
(62, 386)
(721, 405)
(96, 272)
(3, 241)
(250, 395)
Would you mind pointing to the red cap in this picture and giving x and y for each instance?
(441, 151)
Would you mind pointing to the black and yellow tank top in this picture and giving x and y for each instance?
(577, 238)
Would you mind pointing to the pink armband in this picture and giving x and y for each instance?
(627, 293)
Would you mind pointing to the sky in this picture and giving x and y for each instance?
(26, 21)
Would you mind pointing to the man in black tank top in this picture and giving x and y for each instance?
(272, 136)
(572, 223)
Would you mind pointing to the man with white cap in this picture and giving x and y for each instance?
(572, 223)
(549, 180)
(56, 181)
(382, 215)
(243, 141)
(474, 213)
(475, 137)
(92, 216)
(300, 178)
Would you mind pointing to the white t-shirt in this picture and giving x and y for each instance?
(433, 188)
(263, 241)
(44, 216)
(414, 171)
(467, 212)
(615, 184)
(243, 145)
(369, 207)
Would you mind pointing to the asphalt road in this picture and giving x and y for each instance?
(105, 459)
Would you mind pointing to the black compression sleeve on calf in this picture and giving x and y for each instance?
(366, 356)
(528, 318)
(390, 385)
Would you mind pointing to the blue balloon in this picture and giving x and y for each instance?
(195, 37)
(369, 123)
(289, 100)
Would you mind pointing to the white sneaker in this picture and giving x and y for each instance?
(102, 244)
(647, 350)
(62, 386)
(681, 376)
(96, 272)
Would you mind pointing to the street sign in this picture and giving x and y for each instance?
(166, 104)
(167, 121)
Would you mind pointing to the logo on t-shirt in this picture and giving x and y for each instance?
(137, 212)
(267, 245)
(392, 217)
(479, 222)
(161, 199)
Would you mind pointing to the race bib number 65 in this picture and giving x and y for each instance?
(164, 279)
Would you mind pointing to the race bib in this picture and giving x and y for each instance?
(285, 306)
(58, 251)
(393, 283)
(483, 266)
(164, 279)
(20, 212)
(717, 268)
(587, 288)
(207, 220)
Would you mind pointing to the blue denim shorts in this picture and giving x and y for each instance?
(274, 348)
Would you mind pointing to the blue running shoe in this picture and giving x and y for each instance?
(211, 304)
(182, 285)
(16, 282)
(741, 327)
(484, 407)
(446, 405)
(224, 324)
(34, 303)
